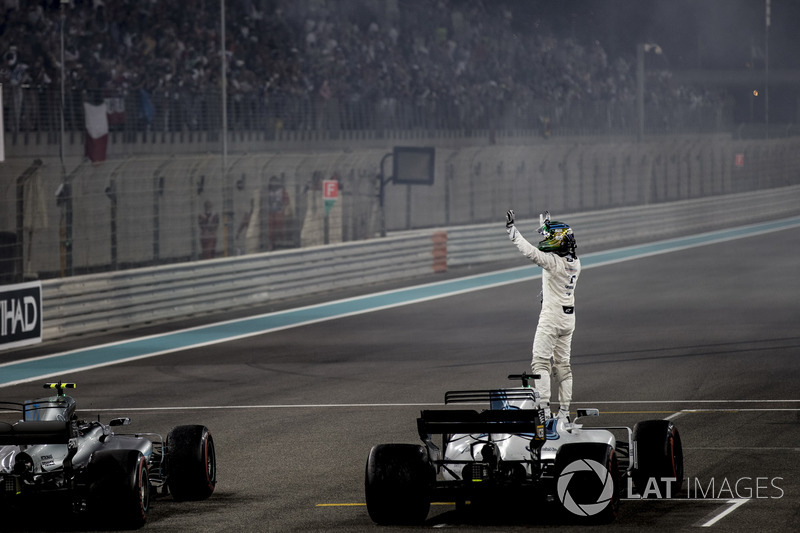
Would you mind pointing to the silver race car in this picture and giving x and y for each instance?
(513, 452)
(49, 456)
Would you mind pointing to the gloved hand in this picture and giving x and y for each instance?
(510, 228)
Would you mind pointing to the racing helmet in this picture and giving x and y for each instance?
(558, 236)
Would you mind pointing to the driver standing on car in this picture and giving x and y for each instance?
(553, 340)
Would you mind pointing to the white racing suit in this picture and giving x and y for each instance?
(556, 320)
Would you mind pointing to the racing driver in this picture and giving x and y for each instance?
(553, 339)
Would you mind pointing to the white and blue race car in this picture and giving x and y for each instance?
(512, 450)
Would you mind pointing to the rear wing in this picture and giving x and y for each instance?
(513, 411)
(448, 422)
(37, 432)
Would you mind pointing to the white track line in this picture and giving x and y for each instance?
(733, 505)
(682, 401)
(380, 406)
(744, 448)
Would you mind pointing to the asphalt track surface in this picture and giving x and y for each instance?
(706, 336)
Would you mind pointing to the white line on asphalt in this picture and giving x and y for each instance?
(744, 448)
(740, 410)
(685, 401)
(265, 406)
(376, 405)
(734, 504)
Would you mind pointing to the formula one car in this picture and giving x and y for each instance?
(48, 455)
(512, 451)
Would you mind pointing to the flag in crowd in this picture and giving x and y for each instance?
(96, 131)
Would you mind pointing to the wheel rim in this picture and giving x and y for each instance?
(675, 454)
(211, 463)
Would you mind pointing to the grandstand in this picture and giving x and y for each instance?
(326, 66)
(321, 89)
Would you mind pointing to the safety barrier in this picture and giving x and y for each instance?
(599, 230)
(97, 302)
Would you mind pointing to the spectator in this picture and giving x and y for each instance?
(278, 202)
(208, 222)
(453, 63)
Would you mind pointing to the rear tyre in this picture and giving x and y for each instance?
(191, 463)
(120, 488)
(588, 484)
(660, 459)
(398, 483)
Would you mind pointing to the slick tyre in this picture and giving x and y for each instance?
(588, 482)
(120, 488)
(398, 483)
(191, 463)
(660, 459)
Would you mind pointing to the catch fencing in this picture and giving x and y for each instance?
(136, 211)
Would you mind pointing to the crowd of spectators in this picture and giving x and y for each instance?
(309, 64)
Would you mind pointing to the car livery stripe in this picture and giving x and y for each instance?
(15, 372)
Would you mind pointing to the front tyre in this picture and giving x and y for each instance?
(191, 463)
(398, 483)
